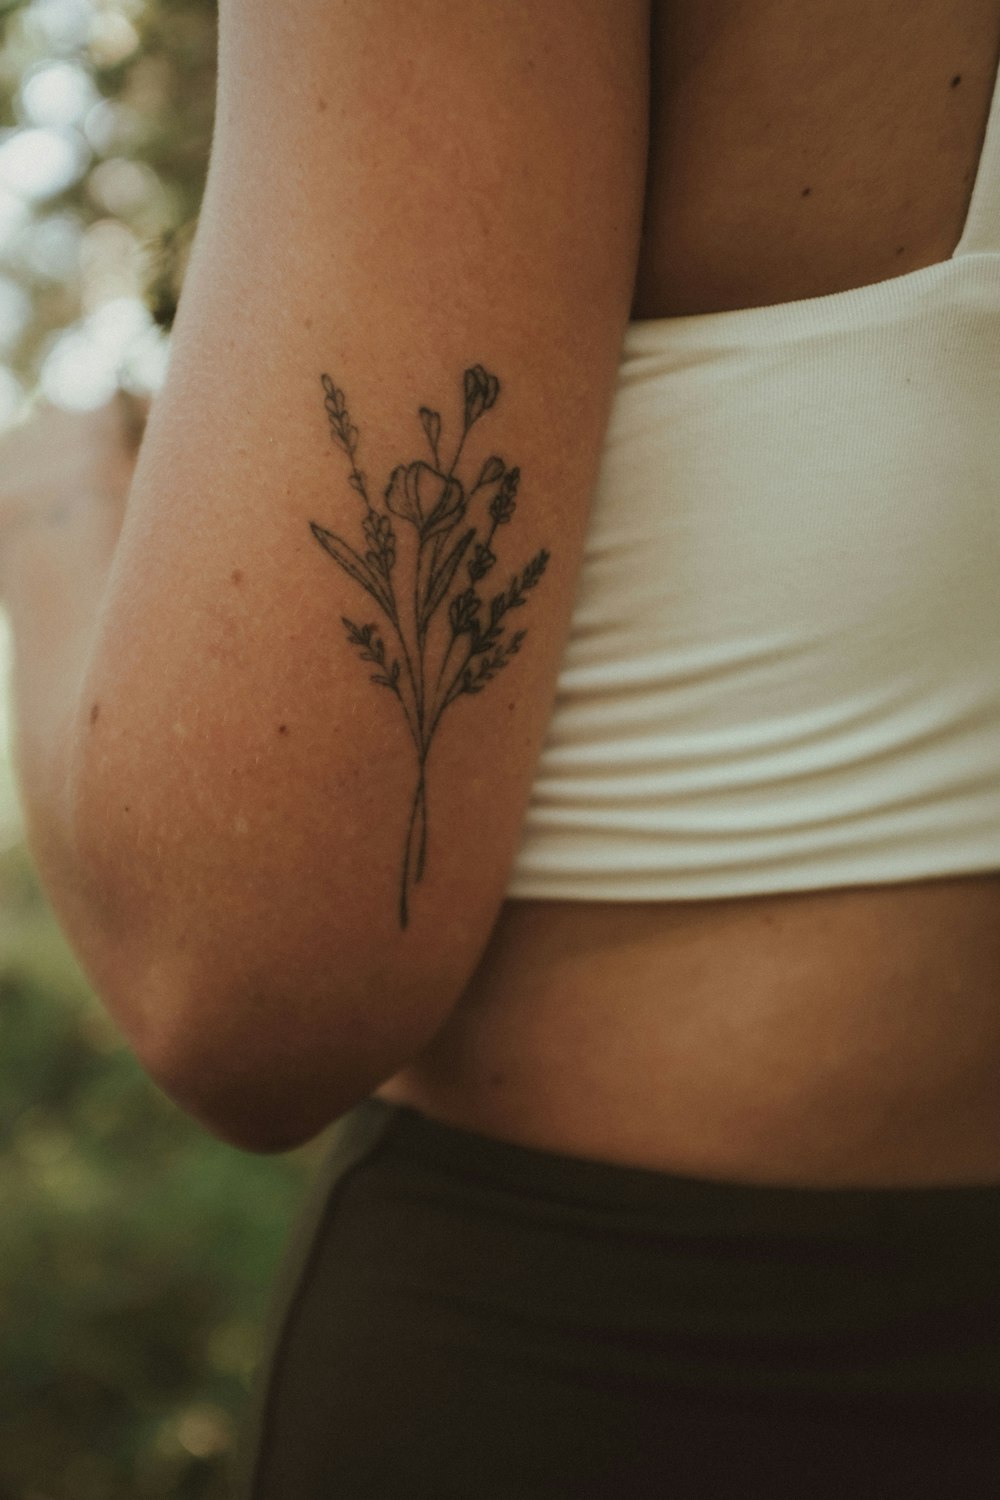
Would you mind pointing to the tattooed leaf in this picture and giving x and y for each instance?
(378, 532)
(491, 471)
(529, 577)
(490, 666)
(440, 582)
(503, 505)
(344, 554)
(336, 411)
(432, 427)
(482, 561)
(370, 645)
(462, 612)
(535, 569)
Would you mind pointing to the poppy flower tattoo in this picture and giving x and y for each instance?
(437, 663)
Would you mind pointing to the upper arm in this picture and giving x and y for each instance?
(398, 195)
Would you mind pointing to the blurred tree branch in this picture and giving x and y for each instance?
(142, 148)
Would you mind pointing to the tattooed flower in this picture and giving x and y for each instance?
(502, 505)
(424, 496)
(481, 563)
(481, 390)
(427, 670)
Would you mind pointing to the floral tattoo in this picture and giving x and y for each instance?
(428, 675)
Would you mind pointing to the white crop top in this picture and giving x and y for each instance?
(783, 666)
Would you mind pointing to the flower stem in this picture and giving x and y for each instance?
(419, 804)
(450, 695)
(422, 848)
(420, 638)
(444, 663)
(458, 453)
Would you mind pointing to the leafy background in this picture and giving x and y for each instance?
(135, 1250)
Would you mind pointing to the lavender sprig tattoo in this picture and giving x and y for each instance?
(435, 502)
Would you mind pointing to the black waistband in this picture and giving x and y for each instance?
(703, 1204)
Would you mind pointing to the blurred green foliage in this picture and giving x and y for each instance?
(135, 1250)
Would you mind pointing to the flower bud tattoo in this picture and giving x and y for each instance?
(428, 677)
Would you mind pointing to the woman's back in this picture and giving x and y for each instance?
(797, 152)
(849, 1034)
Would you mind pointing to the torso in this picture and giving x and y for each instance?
(832, 1037)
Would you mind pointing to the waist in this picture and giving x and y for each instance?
(834, 1037)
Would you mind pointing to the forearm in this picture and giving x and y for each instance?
(57, 549)
(55, 571)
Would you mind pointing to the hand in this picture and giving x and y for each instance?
(58, 458)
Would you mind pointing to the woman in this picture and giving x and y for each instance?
(542, 706)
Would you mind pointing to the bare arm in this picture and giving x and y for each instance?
(64, 478)
(290, 774)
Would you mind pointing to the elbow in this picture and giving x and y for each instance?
(246, 1099)
(266, 1073)
(247, 1118)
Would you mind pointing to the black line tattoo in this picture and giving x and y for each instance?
(433, 500)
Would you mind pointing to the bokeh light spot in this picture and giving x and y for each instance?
(15, 313)
(41, 161)
(57, 94)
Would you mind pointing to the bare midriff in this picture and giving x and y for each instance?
(846, 1036)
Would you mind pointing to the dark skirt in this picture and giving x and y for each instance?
(462, 1317)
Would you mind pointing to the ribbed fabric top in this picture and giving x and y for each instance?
(783, 666)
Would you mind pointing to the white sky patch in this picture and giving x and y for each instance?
(39, 162)
(82, 368)
(63, 25)
(49, 248)
(144, 368)
(57, 94)
(78, 373)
